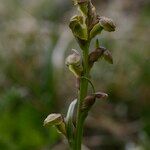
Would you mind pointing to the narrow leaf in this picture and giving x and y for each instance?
(69, 121)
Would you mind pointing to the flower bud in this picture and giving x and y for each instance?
(90, 100)
(95, 55)
(107, 24)
(56, 120)
(74, 58)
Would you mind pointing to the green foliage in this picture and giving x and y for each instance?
(18, 124)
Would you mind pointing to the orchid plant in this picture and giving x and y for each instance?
(85, 27)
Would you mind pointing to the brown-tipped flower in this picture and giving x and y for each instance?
(53, 119)
(107, 24)
(95, 55)
(101, 95)
(90, 100)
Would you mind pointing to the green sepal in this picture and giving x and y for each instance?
(78, 27)
(76, 70)
(61, 128)
(97, 29)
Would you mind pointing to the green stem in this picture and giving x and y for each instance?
(82, 95)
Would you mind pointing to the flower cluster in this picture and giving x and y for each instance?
(85, 27)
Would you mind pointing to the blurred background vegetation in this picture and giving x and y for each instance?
(34, 41)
